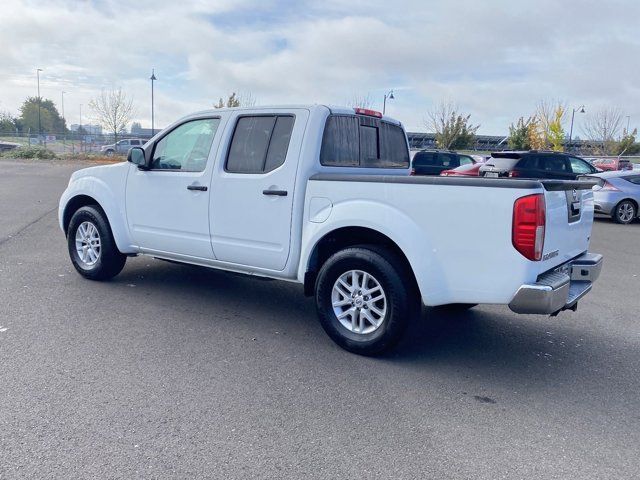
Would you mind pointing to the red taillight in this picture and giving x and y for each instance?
(412, 172)
(610, 186)
(366, 111)
(513, 173)
(527, 235)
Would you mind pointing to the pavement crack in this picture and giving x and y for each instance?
(17, 233)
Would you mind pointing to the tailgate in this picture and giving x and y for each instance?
(569, 218)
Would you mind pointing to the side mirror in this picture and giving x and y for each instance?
(136, 156)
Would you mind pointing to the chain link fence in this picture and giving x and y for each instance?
(67, 143)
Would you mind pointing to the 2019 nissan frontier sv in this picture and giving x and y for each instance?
(322, 196)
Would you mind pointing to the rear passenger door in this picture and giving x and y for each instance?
(253, 190)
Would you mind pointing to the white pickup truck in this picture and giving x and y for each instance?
(322, 196)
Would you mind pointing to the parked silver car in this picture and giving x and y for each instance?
(122, 146)
(618, 194)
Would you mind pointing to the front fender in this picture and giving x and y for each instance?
(112, 202)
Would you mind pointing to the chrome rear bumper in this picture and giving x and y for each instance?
(559, 289)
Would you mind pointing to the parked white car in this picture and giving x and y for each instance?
(322, 196)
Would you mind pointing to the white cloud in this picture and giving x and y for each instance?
(494, 59)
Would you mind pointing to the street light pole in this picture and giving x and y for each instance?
(80, 129)
(38, 70)
(573, 114)
(388, 95)
(63, 92)
(64, 126)
(628, 120)
(153, 79)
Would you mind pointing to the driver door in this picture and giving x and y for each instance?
(168, 204)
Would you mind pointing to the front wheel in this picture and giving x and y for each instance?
(365, 298)
(91, 245)
(624, 212)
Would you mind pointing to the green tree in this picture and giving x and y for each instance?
(555, 132)
(50, 119)
(8, 123)
(519, 134)
(452, 129)
(627, 144)
(536, 135)
(235, 100)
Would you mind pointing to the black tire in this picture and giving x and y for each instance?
(621, 212)
(397, 283)
(110, 261)
(110, 153)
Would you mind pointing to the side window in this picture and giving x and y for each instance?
(424, 159)
(361, 141)
(186, 148)
(580, 166)
(123, 143)
(465, 160)
(447, 160)
(135, 142)
(553, 163)
(259, 144)
(634, 179)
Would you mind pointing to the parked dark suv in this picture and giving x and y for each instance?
(434, 162)
(536, 164)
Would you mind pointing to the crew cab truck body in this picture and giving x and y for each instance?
(322, 196)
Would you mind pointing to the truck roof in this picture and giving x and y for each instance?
(335, 109)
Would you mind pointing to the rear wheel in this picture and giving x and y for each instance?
(365, 299)
(92, 249)
(110, 153)
(625, 212)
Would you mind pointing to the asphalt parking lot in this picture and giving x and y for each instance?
(171, 371)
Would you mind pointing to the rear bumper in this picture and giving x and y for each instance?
(559, 289)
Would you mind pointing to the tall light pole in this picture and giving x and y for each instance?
(573, 113)
(628, 120)
(153, 79)
(80, 129)
(388, 95)
(38, 70)
(63, 92)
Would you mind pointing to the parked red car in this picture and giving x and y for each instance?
(469, 170)
(611, 164)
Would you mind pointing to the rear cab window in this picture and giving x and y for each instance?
(362, 141)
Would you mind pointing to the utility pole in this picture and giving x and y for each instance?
(388, 95)
(80, 129)
(153, 79)
(38, 70)
(573, 114)
(64, 126)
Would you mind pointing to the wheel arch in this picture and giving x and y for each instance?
(73, 205)
(349, 236)
(106, 204)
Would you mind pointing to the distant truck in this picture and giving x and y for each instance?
(322, 196)
(122, 146)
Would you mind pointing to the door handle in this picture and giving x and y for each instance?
(199, 188)
(279, 193)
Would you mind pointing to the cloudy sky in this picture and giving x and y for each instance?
(495, 59)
